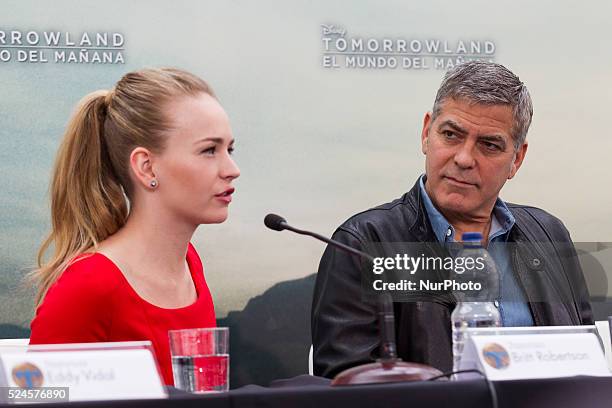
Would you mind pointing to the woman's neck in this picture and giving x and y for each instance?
(152, 240)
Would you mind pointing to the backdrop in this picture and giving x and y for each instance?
(326, 99)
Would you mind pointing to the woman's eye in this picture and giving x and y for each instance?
(230, 150)
(210, 150)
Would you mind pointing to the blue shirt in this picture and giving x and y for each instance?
(512, 305)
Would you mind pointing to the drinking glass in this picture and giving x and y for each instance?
(200, 359)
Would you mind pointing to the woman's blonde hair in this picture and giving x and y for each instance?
(91, 175)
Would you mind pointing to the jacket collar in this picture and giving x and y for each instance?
(422, 227)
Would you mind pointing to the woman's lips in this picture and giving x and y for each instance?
(225, 196)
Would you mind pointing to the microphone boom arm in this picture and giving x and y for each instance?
(331, 242)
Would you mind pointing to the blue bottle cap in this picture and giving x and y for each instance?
(471, 237)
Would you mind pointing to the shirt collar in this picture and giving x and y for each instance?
(502, 221)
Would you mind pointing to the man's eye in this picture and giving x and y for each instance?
(449, 134)
(491, 146)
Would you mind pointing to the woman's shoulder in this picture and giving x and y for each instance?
(87, 278)
(79, 306)
(92, 270)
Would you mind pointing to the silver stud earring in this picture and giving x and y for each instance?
(153, 183)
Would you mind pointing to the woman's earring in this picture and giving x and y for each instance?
(153, 183)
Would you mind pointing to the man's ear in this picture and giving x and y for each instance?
(142, 166)
(519, 156)
(425, 132)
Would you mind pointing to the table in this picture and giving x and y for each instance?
(305, 391)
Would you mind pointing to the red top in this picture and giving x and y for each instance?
(93, 302)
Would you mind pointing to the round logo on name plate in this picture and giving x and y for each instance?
(496, 356)
(27, 375)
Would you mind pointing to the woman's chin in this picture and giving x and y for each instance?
(214, 218)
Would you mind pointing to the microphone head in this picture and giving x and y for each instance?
(275, 222)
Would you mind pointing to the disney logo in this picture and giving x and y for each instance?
(333, 30)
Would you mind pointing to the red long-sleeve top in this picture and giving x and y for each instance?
(93, 302)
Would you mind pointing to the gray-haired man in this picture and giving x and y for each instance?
(474, 140)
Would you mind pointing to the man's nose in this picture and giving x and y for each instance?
(464, 157)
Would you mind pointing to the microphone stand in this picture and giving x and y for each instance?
(388, 368)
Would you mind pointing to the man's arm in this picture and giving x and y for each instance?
(560, 238)
(575, 274)
(344, 326)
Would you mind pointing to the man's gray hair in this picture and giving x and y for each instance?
(488, 83)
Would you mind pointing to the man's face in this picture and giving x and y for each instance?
(469, 156)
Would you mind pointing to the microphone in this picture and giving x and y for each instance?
(277, 223)
(388, 368)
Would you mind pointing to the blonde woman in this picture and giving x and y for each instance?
(124, 269)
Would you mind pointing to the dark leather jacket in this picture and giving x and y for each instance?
(344, 327)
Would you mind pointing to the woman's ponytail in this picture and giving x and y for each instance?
(87, 201)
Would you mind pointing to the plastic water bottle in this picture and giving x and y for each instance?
(477, 310)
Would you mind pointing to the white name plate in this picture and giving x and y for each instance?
(102, 371)
(518, 356)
